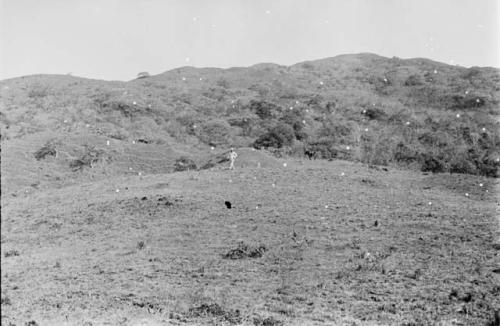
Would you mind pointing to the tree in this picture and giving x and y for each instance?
(143, 74)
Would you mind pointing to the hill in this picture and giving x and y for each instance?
(115, 196)
(414, 113)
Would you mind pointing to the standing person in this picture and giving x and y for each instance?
(232, 158)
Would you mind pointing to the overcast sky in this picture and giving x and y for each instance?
(116, 39)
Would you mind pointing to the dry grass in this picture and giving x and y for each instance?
(326, 262)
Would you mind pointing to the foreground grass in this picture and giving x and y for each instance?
(338, 243)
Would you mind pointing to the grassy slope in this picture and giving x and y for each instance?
(79, 251)
(51, 214)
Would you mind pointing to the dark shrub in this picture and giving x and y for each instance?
(430, 162)
(462, 164)
(49, 149)
(325, 148)
(264, 110)
(216, 311)
(471, 73)
(375, 113)
(294, 118)
(244, 250)
(403, 153)
(128, 110)
(89, 156)
(488, 167)
(278, 136)
(414, 80)
(335, 128)
(461, 102)
(183, 163)
(143, 74)
(434, 139)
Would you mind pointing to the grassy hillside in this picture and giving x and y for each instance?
(309, 243)
(414, 113)
(96, 229)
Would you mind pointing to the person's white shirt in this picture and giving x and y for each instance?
(232, 158)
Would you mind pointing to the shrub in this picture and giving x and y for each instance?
(243, 122)
(223, 83)
(264, 110)
(325, 148)
(128, 110)
(294, 118)
(414, 80)
(404, 153)
(143, 74)
(374, 113)
(432, 163)
(89, 156)
(189, 121)
(488, 166)
(215, 132)
(336, 128)
(49, 149)
(184, 163)
(38, 91)
(278, 136)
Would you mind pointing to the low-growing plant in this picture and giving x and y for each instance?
(49, 149)
(36, 91)
(184, 164)
(88, 158)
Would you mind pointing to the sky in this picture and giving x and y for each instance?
(117, 39)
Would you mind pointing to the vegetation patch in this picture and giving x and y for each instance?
(184, 164)
(244, 250)
(214, 310)
(49, 149)
(88, 158)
